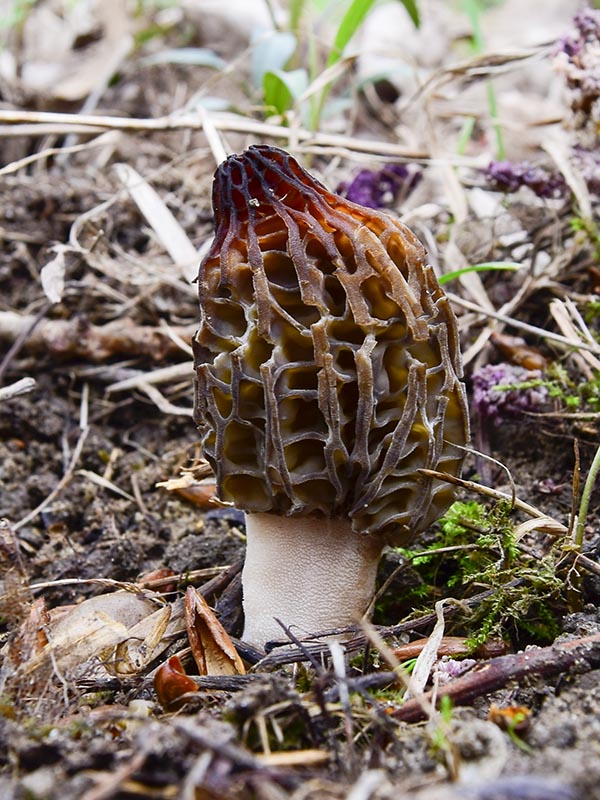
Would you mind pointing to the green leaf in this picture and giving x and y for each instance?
(282, 88)
(270, 53)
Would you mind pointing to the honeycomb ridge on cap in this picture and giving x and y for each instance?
(327, 358)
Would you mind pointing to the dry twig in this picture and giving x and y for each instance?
(496, 673)
(69, 472)
(15, 122)
(78, 338)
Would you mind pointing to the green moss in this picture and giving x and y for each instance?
(573, 395)
(475, 550)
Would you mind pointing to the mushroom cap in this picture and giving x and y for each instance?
(327, 358)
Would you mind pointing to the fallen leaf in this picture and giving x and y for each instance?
(212, 648)
(517, 351)
(119, 632)
(52, 276)
(516, 718)
(31, 637)
(141, 646)
(171, 684)
(200, 493)
(73, 646)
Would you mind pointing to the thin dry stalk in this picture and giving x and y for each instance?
(19, 123)
(487, 491)
(108, 138)
(574, 344)
(69, 472)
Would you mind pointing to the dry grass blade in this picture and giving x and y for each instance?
(105, 484)
(105, 139)
(163, 375)
(182, 344)
(542, 524)
(141, 588)
(327, 77)
(295, 758)
(559, 152)
(470, 280)
(389, 657)
(169, 232)
(429, 654)
(480, 67)
(215, 140)
(161, 402)
(573, 327)
(575, 344)
(60, 485)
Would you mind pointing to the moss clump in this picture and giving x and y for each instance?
(474, 550)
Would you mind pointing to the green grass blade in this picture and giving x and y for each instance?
(585, 499)
(353, 19)
(350, 23)
(486, 266)
(472, 9)
(296, 10)
(413, 11)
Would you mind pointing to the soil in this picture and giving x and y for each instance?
(93, 457)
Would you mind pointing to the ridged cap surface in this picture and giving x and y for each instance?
(327, 358)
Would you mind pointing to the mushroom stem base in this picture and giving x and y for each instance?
(312, 574)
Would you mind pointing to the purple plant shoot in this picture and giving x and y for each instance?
(503, 392)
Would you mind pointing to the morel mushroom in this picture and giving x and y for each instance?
(328, 374)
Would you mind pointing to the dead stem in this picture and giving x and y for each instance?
(77, 338)
(496, 673)
(18, 330)
(19, 123)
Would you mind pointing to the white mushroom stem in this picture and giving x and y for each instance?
(312, 574)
